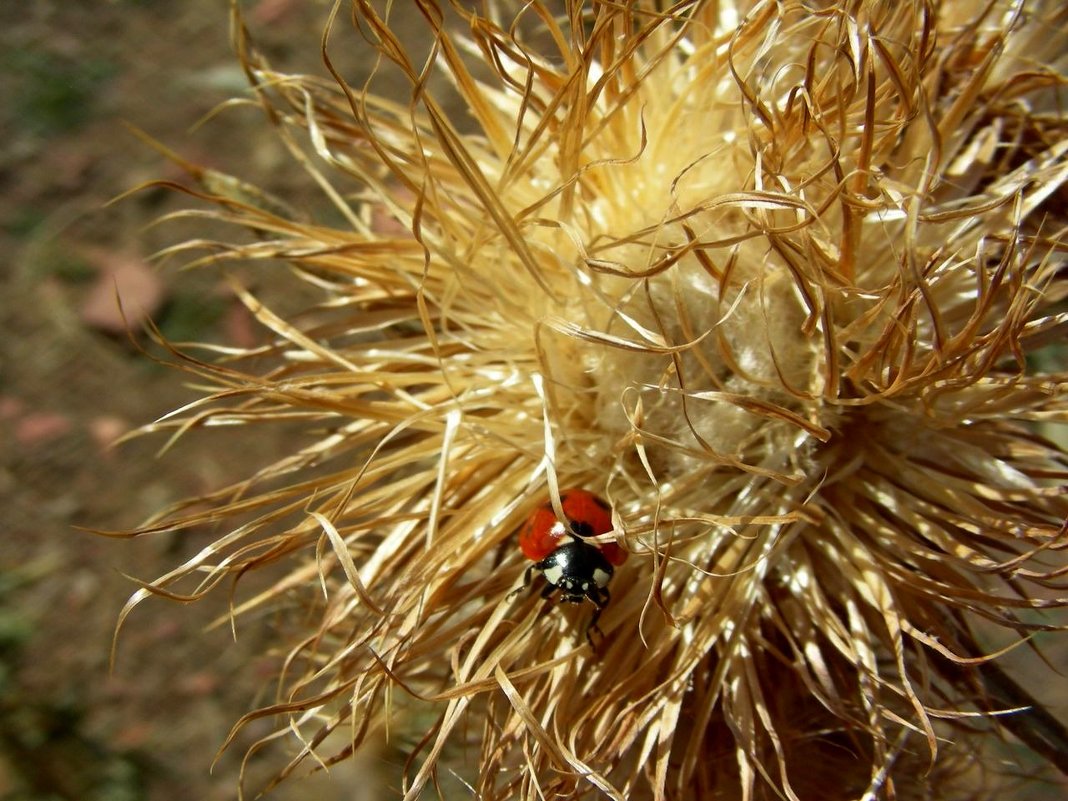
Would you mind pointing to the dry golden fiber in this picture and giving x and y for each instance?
(769, 277)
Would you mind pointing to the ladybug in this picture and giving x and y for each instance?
(562, 553)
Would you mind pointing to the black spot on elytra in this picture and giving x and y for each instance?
(581, 528)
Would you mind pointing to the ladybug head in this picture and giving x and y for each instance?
(579, 570)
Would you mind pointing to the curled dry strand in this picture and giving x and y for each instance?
(774, 278)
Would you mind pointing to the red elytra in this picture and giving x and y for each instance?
(587, 516)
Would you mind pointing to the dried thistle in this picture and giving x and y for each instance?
(766, 276)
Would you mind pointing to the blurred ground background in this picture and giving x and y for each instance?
(71, 382)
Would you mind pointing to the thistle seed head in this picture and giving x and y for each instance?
(777, 280)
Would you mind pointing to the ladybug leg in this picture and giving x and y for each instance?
(593, 627)
(547, 590)
(526, 582)
(600, 601)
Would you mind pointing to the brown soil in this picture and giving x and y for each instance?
(73, 74)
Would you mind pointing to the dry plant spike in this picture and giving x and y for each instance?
(770, 278)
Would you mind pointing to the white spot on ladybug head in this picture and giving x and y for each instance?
(601, 577)
(554, 575)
